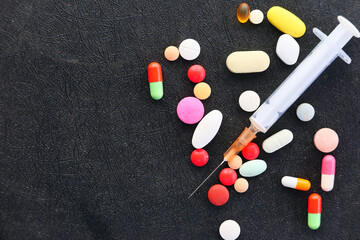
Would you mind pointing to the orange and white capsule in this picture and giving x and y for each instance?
(296, 183)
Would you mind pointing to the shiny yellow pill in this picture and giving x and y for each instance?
(243, 13)
(202, 91)
(286, 21)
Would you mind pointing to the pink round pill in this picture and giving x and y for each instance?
(326, 140)
(190, 110)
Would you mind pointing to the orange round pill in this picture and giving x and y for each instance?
(218, 195)
(202, 91)
(235, 163)
(241, 185)
(326, 140)
(171, 53)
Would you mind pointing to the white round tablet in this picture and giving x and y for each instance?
(249, 101)
(305, 112)
(229, 230)
(189, 49)
(256, 16)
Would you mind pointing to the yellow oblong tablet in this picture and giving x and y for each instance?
(286, 21)
(248, 61)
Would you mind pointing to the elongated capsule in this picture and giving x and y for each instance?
(155, 80)
(328, 173)
(296, 183)
(314, 211)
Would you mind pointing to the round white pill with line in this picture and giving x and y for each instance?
(249, 101)
(189, 49)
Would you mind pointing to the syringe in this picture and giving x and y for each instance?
(329, 48)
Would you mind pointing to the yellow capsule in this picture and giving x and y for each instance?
(243, 12)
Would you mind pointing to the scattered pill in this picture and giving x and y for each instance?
(196, 73)
(218, 195)
(241, 185)
(256, 16)
(253, 168)
(286, 21)
(326, 140)
(155, 80)
(199, 157)
(314, 211)
(296, 183)
(229, 230)
(171, 53)
(251, 151)
(207, 128)
(202, 91)
(243, 12)
(249, 101)
(277, 141)
(235, 163)
(227, 176)
(189, 49)
(305, 112)
(287, 49)
(328, 173)
(190, 110)
(248, 61)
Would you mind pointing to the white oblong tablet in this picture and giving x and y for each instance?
(189, 49)
(287, 49)
(289, 182)
(248, 61)
(229, 230)
(277, 141)
(207, 128)
(249, 101)
(256, 16)
(253, 168)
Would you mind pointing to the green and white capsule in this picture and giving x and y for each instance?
(155, 80)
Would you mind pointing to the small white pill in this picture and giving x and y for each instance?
(256, 16)
(189, 49)
(305, 112)
(249, 101)
(229, 230)
(277, 141)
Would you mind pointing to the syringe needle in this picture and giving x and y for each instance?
(206, 179)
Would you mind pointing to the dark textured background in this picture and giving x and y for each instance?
(87, 154)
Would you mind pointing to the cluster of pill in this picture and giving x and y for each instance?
(190, 110)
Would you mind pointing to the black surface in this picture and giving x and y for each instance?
(87, 154)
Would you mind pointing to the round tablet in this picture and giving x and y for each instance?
(189, 49)
(228, 176)
(241, 185)
(236, 162)
(218, 195)
(229, 230)
(251, 151)
(171, 53)
(196, 73)
(202, 91)
(305, 112)
(249, 101)
(199, 157)
(326, 140)
(190, 110)
(256, 16)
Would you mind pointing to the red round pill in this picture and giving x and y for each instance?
(196, 73)
(228, 176)
(251, 151)
(218, 195)
(199, 157)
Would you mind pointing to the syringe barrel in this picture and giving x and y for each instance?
(302, 77)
